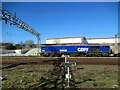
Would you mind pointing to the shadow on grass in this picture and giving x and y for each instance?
(13, 65)
(56, 77)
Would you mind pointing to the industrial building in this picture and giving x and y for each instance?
(67, 40)
(83, 40)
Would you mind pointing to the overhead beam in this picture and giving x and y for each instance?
(13, 20)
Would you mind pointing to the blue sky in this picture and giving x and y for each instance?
(62, 19)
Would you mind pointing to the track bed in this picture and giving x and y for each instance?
(51, 60)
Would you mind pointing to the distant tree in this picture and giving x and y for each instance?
(10, 46)
(22, 45)
(29, 44)
(18, 46)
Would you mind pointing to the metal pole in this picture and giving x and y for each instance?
(39, 45)
(115, 39)
(68, 76)
(65, 59)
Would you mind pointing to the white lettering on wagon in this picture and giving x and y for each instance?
(82, 49)
(63, 50)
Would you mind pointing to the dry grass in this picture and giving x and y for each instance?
(84, 76)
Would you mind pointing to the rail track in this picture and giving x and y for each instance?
(51, 60)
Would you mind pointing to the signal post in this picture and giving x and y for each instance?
(67, 65)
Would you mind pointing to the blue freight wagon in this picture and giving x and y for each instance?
(89, 50)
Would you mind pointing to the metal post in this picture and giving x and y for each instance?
(39, 45)
(67, 65)
(65, 59)
(68, 76)
(115, 39)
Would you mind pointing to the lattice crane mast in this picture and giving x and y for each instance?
(13, 20)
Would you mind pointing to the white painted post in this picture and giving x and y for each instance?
(68, 76)
(65, 59)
